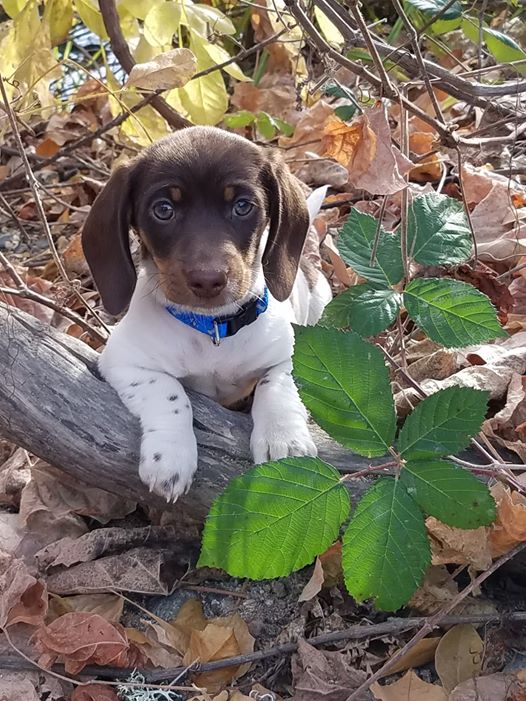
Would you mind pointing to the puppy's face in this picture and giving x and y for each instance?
(200, 201)
(200, 208)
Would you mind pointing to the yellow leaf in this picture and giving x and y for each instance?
(328, 29)
(219, 55)
(217, 20)
(59, 15)
(161, 23)
(139, 8)
(89, 13)
(349, 142)
(171, 69)
(13, 7)
(459, 656)
(204, 99)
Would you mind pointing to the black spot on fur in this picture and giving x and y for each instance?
(264, 381)
(176, 411)
(154, 379)
(157, 457)
(172, 398)
(135, 384)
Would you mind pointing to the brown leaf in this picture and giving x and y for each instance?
(109, 606)
(23, 599)
(10, 535)
(73, 257)
(348, 143)
(171, 69)
(315, 583)
(222, 637)
(46, 148)
(420, 654)
(509, 528)
(307, 134)
(141, 570)
(20, 690)
(324, 676)
(409, 688)
(36, 284)
(52, 491)
(437, 589)
(429, 168)
(79, 639)
(494, 687)
(459, 656)
(152, 650)
(14, 475)
(457, 546)
(94, 692)
(102, 541)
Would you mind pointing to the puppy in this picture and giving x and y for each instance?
(222, 224)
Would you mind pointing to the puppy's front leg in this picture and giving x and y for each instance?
(168, 445)
(280, 419)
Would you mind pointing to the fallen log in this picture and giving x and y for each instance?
(54, 404)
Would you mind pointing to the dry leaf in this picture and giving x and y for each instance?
(494, 687)
(20, 690)
(348, 143)
(10, 535)
(94, 692)
(222, 637)
(102, 541)
(509, 528)
(176, 633)
(79, 639)
(52, 491)
(319, 675)
(459, 656)
(409, 688)
(109, 606)
(437, 589)
(315, 583)
(141, 570)
(458, 546)
(430, 168)
(420, 654)
(172, 69)
(23, 599)
(153, 651)
(73, 257)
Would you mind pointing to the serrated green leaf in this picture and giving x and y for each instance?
(363, 309)
(266, 125)
(275, 519)
(438, 230)
(341, 379)
(443, 423)
(355, 245)
(451, 312)
(449, 493)
(385, 551)
(430, 8)
(504, 48)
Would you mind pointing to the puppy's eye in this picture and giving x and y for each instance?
(163, 210)
(242, 208)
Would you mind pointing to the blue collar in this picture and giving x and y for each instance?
(218, 327)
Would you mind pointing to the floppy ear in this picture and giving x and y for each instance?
(105, 241)
(289, 225)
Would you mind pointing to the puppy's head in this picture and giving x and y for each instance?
(200, 200)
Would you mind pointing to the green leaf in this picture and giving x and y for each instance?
(385, 551)
(283, 126)
(504, 48)
(341, 378)
(438, 230)
(362, 308)
(240, 119)
(430, 8)
(161, 23)
(345, 112)
(451, 312)
(449, 493)
(443, 423)
(266, 125)
(355, 245)
(275, 519)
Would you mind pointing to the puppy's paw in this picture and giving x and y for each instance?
(168, 464)
(274, 439)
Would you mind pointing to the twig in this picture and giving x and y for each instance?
(466, 206)
(434, 621)
(124, 56)
(393, 626)
(418, 54)
(5, 205)
(34, 185)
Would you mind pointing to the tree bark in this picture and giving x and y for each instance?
(54, 404)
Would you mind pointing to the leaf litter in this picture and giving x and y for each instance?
(59, 544)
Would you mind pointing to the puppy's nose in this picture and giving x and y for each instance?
(206, 283)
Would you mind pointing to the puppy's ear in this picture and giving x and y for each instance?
(105, 241)
(289, 225)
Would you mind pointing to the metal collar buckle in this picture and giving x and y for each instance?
(216, 338)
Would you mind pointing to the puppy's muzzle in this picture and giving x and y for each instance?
(206, 283)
